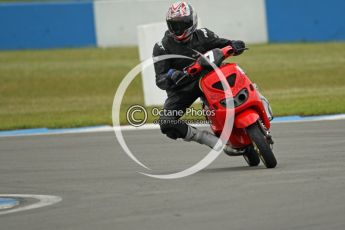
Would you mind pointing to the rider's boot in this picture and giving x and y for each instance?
(206, 138)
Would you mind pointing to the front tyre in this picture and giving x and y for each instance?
(261, 146)
(251, 156)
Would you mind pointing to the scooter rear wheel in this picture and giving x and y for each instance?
(261, 146)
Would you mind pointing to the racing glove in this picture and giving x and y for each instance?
(178, 77)
(238, 46)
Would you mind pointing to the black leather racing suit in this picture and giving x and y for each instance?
(181, 96)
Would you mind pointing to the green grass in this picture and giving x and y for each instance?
(63, 88)
(75, 87)
(304, 79)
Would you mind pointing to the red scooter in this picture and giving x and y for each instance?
(250, 135)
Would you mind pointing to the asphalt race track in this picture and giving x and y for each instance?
(101, 188)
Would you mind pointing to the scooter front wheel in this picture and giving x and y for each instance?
(251, 156)
(261, 146)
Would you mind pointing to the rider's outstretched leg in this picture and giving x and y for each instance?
(171, 125)
(202, 137)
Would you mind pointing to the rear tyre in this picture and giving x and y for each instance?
(251, 157)
(261, 146)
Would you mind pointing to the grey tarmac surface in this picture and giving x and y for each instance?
(101, 188)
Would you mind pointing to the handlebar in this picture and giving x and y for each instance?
(224, 53)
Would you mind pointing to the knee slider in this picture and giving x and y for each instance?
(174, 130)
(165, 127)
(168, 130)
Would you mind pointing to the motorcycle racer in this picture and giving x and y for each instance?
(183, 38)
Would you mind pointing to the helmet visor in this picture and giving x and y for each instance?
(178, 27)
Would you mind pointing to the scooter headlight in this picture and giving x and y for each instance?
(238, 100)
(227, 103)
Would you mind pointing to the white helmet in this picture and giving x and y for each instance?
(182, 20)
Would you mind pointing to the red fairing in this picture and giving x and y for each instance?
(194, 69)
(246, 118)
(227, 51)
(245, 113)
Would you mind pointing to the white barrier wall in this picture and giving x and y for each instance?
(147, 36)
(116, 21)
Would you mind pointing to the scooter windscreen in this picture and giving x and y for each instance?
(214, 56)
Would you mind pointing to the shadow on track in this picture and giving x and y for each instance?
(231, 169)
